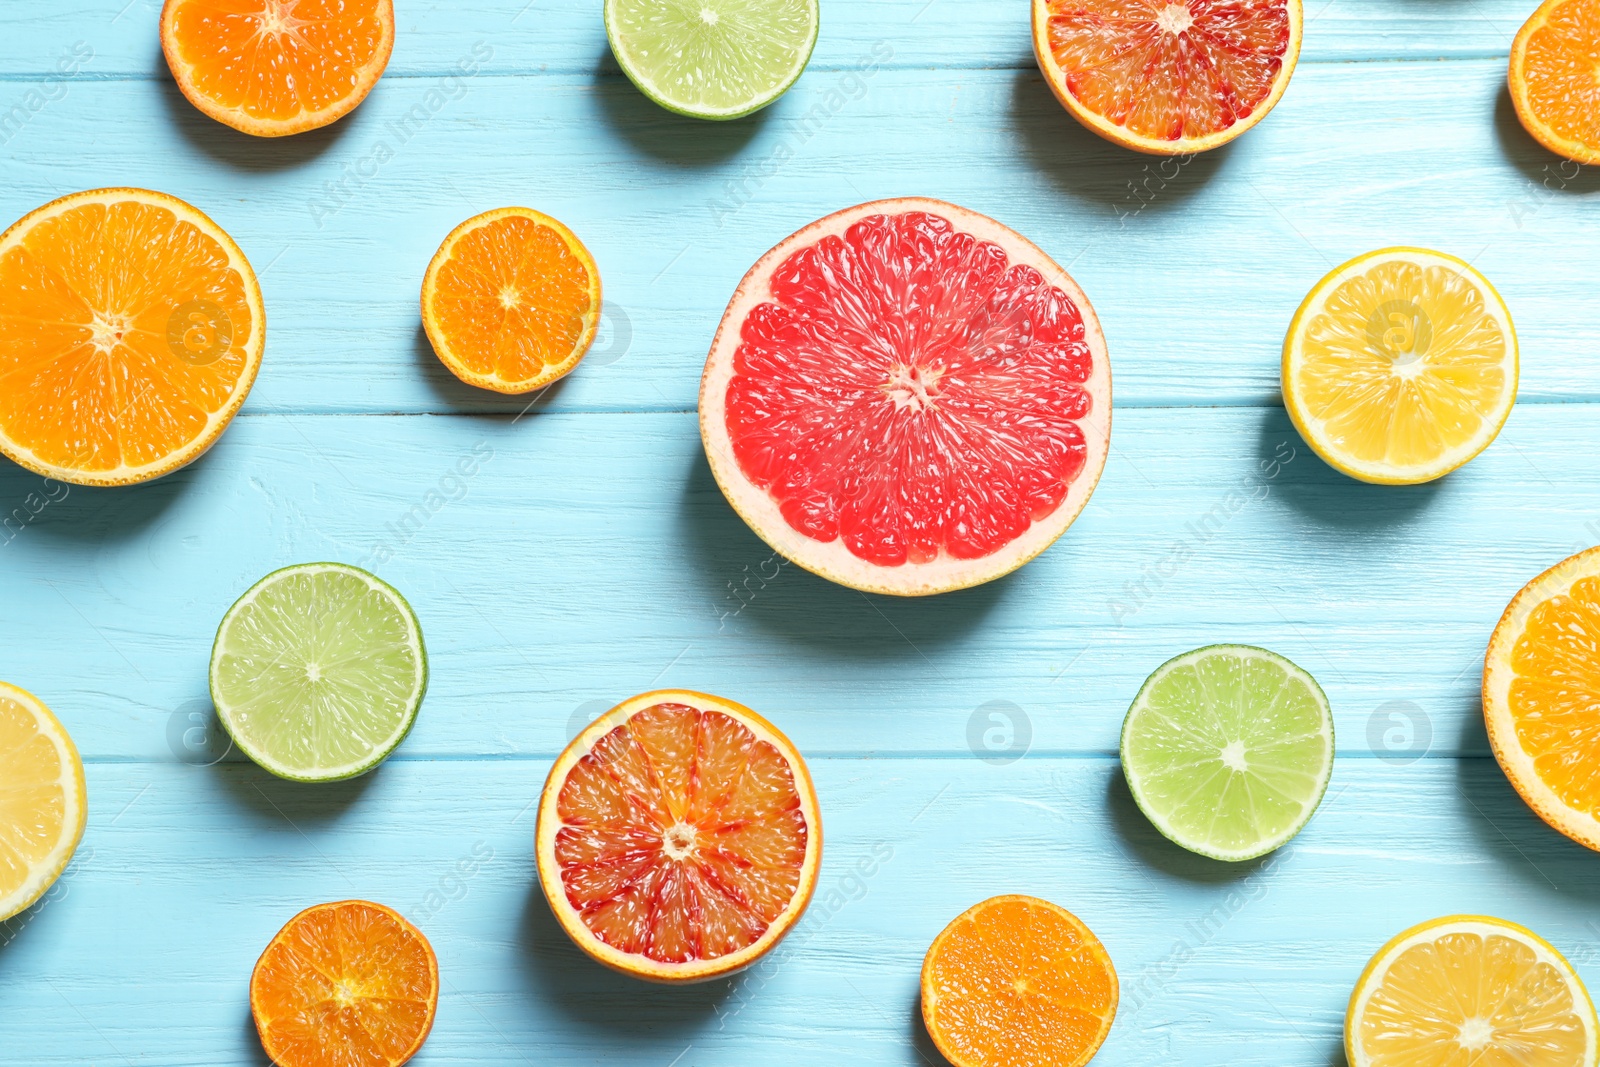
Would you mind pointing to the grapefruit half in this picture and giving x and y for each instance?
(907, 397)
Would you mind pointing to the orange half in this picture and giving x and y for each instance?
(350, 984)
(511, 300)
(1555, 77)
(1167, 77)
(1541, 696)
(1018, 982)
(131, 330)
(275, 67)
(679, 837)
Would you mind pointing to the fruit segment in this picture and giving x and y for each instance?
(683, 837)
(678, 837)
(130, 332)
(1470, 990)
(276, 67)
(713, 59)
(345, 985)
(912, 391)
(1400, 366)
(1541, 696)
(42, 800)
(1555, 77)
(1167, 75)
(511, 300)
(1018, 982)
(1228, 750)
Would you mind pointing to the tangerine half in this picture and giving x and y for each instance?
(276, 67)
(351, 984)
(1555, 77)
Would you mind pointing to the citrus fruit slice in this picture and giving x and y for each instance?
(318, 671)
(275, 67)
(712, 59)
(678, 837)
(43, 802)
(133, 331)
(511, 300)
(1541, 695)
(350, 984)
(1228, 750)
(1400, 366)
(1469, 989)
(1168, 77)
(1555, 77)
(1018, 982)
(907, 397)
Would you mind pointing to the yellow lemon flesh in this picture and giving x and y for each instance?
(1400, 366)
(1469, 989)
(42, 800)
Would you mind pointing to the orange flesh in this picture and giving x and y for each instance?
(1170, 70)
(345, 985)
(1555, 694)
(274, 60)
(682, 835)
(1561, 68)
(1018, 983)
(112, 322)
(512, 299)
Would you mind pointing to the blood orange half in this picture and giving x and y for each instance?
(1167, 77)
(679, 837)
(907, 397)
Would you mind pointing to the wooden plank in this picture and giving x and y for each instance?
(1195, 269)
(535, 37)
(186, 872)
(586, 558)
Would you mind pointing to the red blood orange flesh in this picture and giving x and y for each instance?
(679, 837)
(907, 397)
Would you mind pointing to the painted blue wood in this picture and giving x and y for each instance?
(590, 556)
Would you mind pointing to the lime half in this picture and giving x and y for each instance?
(1228, 750)
(318, 672)
(713, 59)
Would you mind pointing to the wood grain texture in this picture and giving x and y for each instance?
(1195, 268)
(186, 873)
(568, 36)
(568, 557)
(590, 557)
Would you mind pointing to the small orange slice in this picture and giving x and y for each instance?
(131, 330)
(679, 837)
(1555, 77)
(345, 985)
(276, 67)
(1167, 77)
(1018, 982)
(511, 300)
(1541, 696)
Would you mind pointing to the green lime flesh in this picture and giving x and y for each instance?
(318, 672)
(712, 59)
(1228, 750)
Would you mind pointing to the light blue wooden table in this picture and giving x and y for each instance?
(592, 557)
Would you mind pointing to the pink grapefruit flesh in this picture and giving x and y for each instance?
(907, 397)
